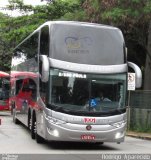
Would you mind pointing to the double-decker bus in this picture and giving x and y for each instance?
(65, 67)
(4, 91)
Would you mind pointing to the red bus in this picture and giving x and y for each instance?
(23, 90)
(4, 90)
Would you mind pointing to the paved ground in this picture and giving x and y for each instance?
(15, 139)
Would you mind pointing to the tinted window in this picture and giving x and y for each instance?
(43, 90)
(27, 49)
(44, 41)
(87, 92)
(18, 85)
(26, 88)
(87, 44)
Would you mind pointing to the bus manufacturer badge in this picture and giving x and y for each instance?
(88, 127)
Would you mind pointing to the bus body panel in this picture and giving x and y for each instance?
(89, 68)
(59, 133)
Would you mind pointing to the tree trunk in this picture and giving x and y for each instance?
(147, 75)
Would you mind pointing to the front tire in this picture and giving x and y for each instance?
(39, 139)
(33, 127)
(34, 134)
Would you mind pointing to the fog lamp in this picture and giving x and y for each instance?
(118, 135)
(53, 132)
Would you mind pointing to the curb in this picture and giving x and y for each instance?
(139, 135)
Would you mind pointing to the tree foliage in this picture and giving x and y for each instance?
(24, 25)
(131, 16)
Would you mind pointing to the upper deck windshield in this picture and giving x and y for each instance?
(86, 93)
(80, 43)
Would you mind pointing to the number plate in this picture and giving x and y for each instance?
(88, 137)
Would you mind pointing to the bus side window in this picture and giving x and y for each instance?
(32, 88)
(44, 41)
(43, 88)
(18, 86)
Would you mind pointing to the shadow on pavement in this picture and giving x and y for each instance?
(79, 146)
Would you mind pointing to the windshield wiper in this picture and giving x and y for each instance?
(87, 113)
(119, 110)
(55, 107)
(58, 108)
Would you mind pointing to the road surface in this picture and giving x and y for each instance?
(15, 139)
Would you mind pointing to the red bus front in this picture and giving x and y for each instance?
(4, 91)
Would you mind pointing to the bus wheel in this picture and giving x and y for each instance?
(39, 139)
(29, 121)
(15, 120)
(33, 127)
(34, 134)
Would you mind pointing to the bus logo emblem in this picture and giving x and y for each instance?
(89, 127)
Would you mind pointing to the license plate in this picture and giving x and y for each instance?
(88, 137)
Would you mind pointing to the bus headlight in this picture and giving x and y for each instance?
(52, 132)
(54, 120)
(118, 124)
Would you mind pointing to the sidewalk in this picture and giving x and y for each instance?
(140, 135)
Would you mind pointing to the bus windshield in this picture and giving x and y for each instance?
(4, 88)
(81, 92)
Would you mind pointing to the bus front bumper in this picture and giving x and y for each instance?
(106, 133)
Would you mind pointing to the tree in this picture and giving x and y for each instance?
(4, 45)
(19, 5)
(76, 12)
(24, 25)
(147, 75)
(131, 16)
(15, 29)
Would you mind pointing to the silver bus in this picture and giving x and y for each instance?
(69, 83)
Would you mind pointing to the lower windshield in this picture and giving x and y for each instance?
(80, 92)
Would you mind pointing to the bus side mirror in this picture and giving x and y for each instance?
(44, 68)
(138, 73)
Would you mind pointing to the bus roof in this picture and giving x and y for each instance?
(75, 23)
(84, 43)
(16, 74)
(3, 74)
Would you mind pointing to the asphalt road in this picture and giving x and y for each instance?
(15, 139)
